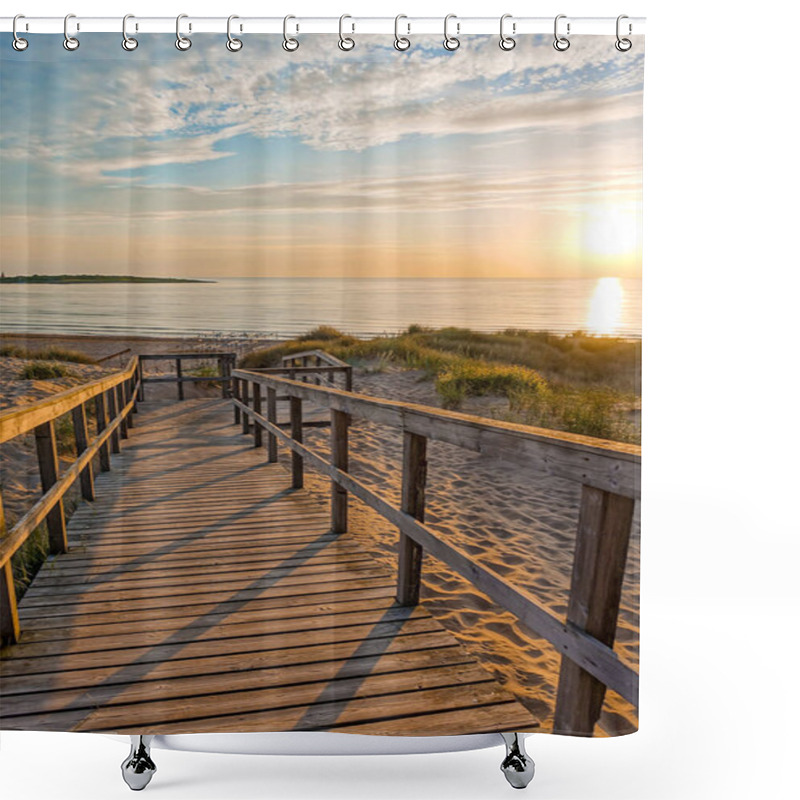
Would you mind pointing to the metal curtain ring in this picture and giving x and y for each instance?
(128, 42)
(70, 42)
(233, 44)
(623, 45)
(507, 42)
(346, 42)
(401, 42)
(289, 44)
(450, 42)
(18, 43)
(181, 42)
(561, 43)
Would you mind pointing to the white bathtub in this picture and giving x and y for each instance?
(138, 768)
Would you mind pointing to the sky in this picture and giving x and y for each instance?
(205, 163)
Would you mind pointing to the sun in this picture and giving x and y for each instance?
(610, 230)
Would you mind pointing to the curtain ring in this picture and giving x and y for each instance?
(18, 43)
(289, 44)
(233, 44)
(181, 42)
(346, 42)
(450, 42)
(623, 45)
(507, 42)
(128, 42)
(401, 42)
(70, 42)
(561, 43)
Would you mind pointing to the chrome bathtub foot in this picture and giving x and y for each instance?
(517, 766)
(138, 768)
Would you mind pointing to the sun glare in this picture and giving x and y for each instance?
(605, 307)
(610, 231)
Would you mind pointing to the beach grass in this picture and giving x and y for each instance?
(578, 383)
(45, 354)
(43, 370)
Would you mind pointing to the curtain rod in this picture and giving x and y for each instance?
(359, 25)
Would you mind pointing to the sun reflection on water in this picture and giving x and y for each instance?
(605, 308)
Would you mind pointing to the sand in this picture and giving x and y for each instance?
(522, 525)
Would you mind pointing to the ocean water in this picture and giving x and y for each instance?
(285, 307)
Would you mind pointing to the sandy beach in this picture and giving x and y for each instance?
(522, 525)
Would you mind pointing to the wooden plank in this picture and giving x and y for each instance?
(322, 716)
(101, 418)
(9, 616)
(113, 410)
(81, 444)
(244, 392)
(47, 454)
(193, 686)
(409, 552)
(119, 395)
(283, 640)
(296, 415)
(198, 356)
(258, 431)
(179, 374)
(595, 657)
(26, 418)
(227, 663)
(340, 423)
(599, 565)
(272, 416)
(612, 466)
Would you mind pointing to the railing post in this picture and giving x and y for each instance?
(296, 419)
(130, 394)
(317, 363)
(604, 527)
(340, 422)
(237, 414)
(47, 453)
(348, 379)
(258, 431)
(101, 420)
(140, 375)
(111, 397)
(81, 443)
(272, 416)
(179, 374)
(245, 389)
(9, 618)
(120, 395)
(409, 562)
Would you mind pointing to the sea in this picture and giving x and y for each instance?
(287, 307)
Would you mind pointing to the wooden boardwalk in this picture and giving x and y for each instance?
(202, 593)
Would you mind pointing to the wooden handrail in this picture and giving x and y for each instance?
(26, 418)
(607, 471)
(120, 393)
(226, 364)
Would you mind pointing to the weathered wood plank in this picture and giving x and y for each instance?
(612, 466)
(412, 502)
(599, 565)
(47, 455)
(9, 616)
(81, 444)
(26, 418)
(340, 423)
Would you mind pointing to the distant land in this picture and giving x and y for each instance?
(94, 279)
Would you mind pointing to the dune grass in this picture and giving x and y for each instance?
(579, 383)
(46, 354)
(43, 370)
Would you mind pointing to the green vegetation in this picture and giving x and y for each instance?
(95, 279)
(578, 383)
(43, 370)
(46, 354)
(206, 372)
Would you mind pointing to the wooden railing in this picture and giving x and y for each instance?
(114, 399)
(226, 363)
(608, 473)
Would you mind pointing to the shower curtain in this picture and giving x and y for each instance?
(320, 384)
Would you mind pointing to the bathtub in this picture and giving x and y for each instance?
(139, 767)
